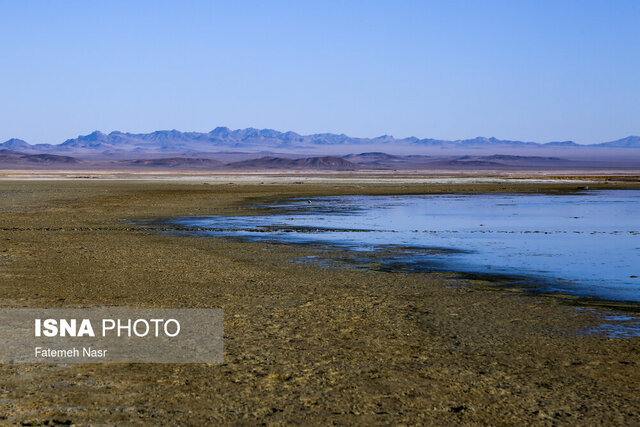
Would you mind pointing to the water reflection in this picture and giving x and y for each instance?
(585, 244)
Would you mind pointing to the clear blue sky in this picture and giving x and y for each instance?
(529, 70)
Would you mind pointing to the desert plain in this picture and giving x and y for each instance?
(303, 344)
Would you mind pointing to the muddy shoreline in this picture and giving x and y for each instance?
(303, 343)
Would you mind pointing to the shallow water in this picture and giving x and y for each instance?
(585, 244)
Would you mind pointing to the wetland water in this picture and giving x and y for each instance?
(584, 244)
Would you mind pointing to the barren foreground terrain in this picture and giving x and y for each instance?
(303, 344)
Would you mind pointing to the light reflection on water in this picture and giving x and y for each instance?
(586, 244)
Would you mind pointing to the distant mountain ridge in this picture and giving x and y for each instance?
(19, 159)
(251, 139)
(628, 142)
(15, 144)
(12, 159)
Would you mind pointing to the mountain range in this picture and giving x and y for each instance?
(223, 139)
(256, 149)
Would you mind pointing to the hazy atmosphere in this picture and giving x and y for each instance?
(528, 70)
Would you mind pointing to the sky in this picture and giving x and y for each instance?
(527, 70)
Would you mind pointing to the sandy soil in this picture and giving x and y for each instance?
(303, 344)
